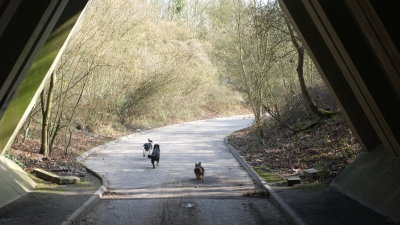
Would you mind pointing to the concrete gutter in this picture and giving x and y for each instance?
(94, 199)
(275, 198)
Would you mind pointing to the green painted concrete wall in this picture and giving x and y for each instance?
(14, 181)
(30, 88)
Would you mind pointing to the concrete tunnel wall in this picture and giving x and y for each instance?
(15, 182)
(355, 46)
(30, 31)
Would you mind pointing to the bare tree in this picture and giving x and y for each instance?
(300, 73)
(257, 48)
(46, 106)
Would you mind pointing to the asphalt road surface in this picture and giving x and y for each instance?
(170, 194)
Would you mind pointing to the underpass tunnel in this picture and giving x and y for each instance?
(354, 44)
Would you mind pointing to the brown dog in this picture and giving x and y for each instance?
(199, 171)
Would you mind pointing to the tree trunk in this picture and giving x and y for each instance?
(27, 125)
(46, 113)
(300, 74)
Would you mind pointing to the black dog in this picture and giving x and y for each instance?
(155, 155)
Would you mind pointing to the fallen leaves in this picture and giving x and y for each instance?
(27, 153)
(329, 147)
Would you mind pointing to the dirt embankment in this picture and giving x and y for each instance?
(328, 147)
(26, 154)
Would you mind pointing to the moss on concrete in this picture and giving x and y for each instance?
(268, 177)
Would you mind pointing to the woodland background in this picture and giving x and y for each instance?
(135, 65)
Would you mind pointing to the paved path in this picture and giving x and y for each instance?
(169, 194)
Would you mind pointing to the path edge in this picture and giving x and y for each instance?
(284, 208)
(94, 199)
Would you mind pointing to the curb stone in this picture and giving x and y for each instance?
(77, 214)
(276, 200)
